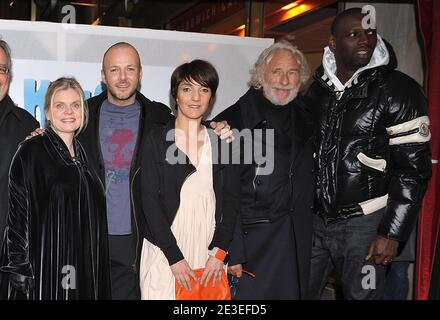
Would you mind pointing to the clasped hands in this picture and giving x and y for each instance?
(183, 273)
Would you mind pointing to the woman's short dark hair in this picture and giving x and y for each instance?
(198, 71)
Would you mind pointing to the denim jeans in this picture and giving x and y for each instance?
(397, 281)
(341, 247)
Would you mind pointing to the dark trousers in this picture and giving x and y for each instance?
(341, 247)
(271, 256)
(125, 282)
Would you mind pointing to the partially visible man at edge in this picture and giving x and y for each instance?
(15, 125)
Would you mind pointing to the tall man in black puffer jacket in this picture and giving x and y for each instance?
(373, 159)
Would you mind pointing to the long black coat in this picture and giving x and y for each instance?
(245, 115)
(15, 125)
(57, 227)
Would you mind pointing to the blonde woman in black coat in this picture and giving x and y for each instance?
(56, 235)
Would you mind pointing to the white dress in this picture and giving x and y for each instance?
(193, 228)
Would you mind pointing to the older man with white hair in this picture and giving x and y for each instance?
(270, 252)
(15, 125)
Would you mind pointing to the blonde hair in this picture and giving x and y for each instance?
(65, 83)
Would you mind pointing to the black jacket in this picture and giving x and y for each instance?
(57, 226)
(151, 112)
(162, 182)
(259, 198)
(15, 125)
(374, 145)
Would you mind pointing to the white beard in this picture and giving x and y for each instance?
(269, 96)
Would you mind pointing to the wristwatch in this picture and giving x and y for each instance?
(219, 254)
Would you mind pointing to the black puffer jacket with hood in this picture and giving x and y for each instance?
(373, 143)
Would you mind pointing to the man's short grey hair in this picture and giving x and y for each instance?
(257, 72)
(4, 45)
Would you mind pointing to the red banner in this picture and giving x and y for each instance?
(429, 15)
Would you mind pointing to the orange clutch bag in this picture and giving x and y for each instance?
(221, 291)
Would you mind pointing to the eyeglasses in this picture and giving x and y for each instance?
(233, 282)
(4, 69)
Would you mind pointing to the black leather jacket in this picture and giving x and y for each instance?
(373, 149)
(151, 112)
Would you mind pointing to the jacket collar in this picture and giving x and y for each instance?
(7, 105)
(379, 58)
(300, 117)
(99, 99)
(362, 76)
(145, 103)
(249, 102)
(171, 125)
(62, 149)
(170, 139)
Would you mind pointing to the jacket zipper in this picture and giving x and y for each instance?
(338, 123)
(291, 168)
(133, 163)
(291, 183)
(221, 186)
(101, 161)
(181, 189)
(135, 220)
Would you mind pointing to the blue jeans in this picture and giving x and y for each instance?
(397, 281)
(341, 247)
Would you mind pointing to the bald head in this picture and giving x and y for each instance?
(121, 45)
(121, 73)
